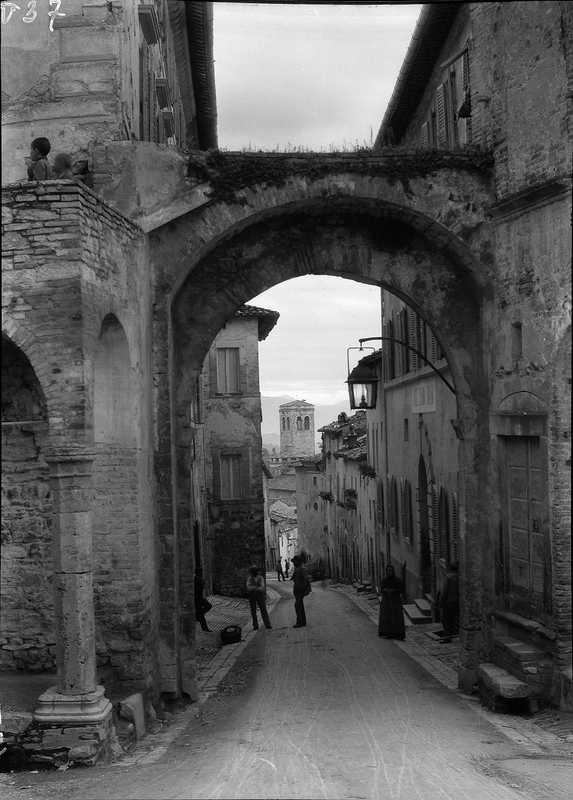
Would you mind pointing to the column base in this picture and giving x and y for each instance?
(76, 709)
(70, 730)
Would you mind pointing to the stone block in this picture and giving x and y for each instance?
(131, 709)
(502, 683)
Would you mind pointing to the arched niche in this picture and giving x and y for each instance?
(114, 395)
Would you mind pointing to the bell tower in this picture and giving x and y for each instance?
(296, 421)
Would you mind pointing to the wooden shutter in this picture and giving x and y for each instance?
(441, 109)
(399, 350)
(425, 134)
(434, 522)
(455, 525)
(386, 348)
(465, 71)
(443, 517)
(402, 508)
(422, 333)
(413, 329)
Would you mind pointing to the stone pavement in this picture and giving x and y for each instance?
(214, 659)
(442, 660)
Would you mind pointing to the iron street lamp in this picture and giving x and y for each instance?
(362, 385)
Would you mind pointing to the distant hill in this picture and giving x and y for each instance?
(323, 415)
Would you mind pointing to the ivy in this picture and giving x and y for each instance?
(229, 173)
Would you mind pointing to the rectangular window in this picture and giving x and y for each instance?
(228, 370)
(406, 431)
(231, 477)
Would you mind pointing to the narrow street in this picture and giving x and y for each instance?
(326, 711)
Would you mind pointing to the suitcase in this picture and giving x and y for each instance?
(231, 634)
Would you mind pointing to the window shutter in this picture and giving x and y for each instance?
(388, 501)
(425, 134)
(413, 320)
(408, 529)
(434, 521)
(434, 345)
(398, 347)
(422, 332)
(402, 509)
(441, 101)
(455, 525)
(465, 71)
(404, 338)
(386, 348)
(444, 525)
(453, 108)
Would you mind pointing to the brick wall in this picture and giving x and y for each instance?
(71, 262)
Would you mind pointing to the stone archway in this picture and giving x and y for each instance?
(373, 241)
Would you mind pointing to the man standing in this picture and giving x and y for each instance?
(201, 604)
(257, 597)
(280, 573)
(450, 602)
(301, 589)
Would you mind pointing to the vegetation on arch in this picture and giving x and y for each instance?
(228, 172)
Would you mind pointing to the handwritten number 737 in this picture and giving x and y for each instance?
(7, 9)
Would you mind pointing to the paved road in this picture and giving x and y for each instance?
(326, 711)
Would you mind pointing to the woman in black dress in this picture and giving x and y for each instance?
(391, 620)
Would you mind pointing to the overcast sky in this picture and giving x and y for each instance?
(315, 77)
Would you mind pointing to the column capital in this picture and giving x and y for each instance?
(68, 463)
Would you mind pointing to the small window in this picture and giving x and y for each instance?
(406, 430)
(316, 506)
(231, 477)
(299, 423)
(307, 423)
(228, 370)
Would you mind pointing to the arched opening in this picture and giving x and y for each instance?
(361, 240)
(27, 619)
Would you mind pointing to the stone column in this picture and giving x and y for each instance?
(76, 699)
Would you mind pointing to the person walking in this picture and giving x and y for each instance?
(280, 573)
(286, 567)
(450, 603)
(391, 618)
(201, 604)
(301, 588)
(257, 590)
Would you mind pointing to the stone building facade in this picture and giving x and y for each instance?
(115, 296)
(232, 451)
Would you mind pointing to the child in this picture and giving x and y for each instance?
(62, 168)
(39, 169)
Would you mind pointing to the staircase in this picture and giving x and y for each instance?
(419, 612)
(521, 667)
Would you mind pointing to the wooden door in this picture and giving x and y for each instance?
(527, 536)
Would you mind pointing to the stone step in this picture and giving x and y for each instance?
(502, 683)
(424, 606)
(522, 651)
(415, 615)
